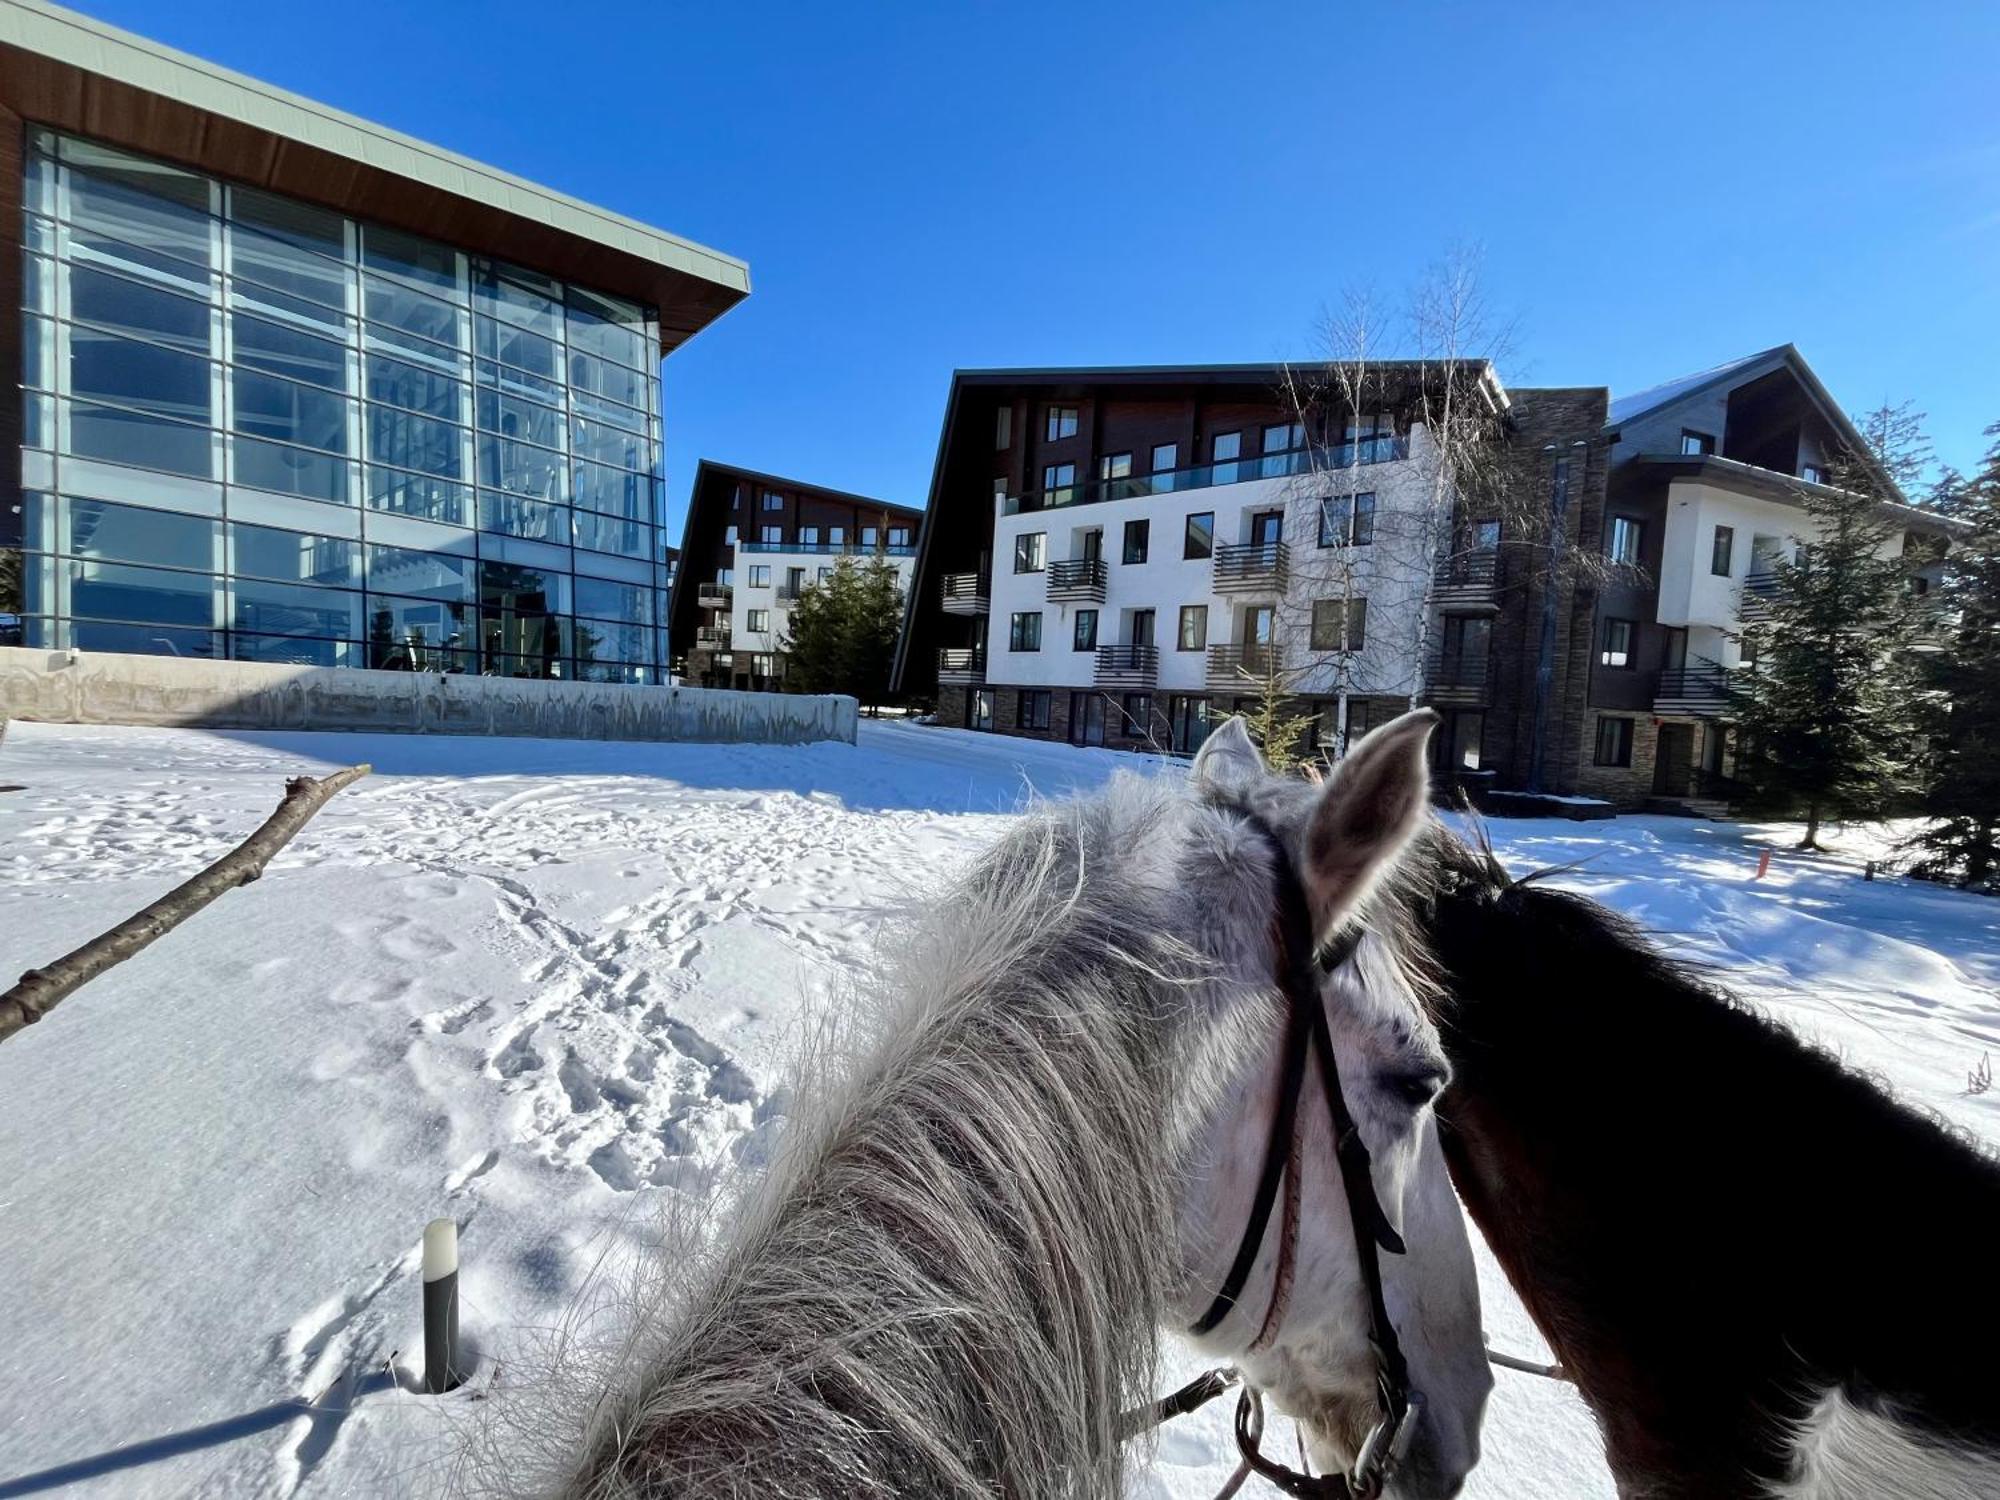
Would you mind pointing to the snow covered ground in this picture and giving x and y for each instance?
(540, 986)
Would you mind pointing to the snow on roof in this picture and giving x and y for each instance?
(1625, 408)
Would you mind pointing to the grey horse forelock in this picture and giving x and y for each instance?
(950, 1282)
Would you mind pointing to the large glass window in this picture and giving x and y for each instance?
(258, 346)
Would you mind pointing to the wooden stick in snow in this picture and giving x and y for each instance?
(41, 990)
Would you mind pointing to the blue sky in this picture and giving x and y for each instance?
(922, 186)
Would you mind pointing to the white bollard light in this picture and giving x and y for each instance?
(441, 1372)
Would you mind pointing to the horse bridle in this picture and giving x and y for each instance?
(1303, 962)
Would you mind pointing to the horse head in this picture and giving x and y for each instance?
(1302, 1320)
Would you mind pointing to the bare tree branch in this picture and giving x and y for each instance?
(41, 990)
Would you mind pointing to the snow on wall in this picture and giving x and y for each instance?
(113, 688)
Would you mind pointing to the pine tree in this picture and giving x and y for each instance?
(1277, 727)
(1960, 843)
(1896, 439)
(841, 637)
(1828, 721)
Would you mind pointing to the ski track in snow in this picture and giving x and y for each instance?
(557, 979)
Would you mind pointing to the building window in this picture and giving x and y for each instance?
(1718, 553)
(1141, 632)
(1618, 636)
(771, 534)
(1357, 720)
(1697, 444)
(1000, 492)
(1025, 631)
(736, 498)
(729, 536)
(759, 621)
(1166, 457)
(1086, 718)
(1284, 437)
(1003, 427)
(1485, 535)
(1200, 538)
(1626, 535)
(1035, 708)
(1467, 728)
(836, 536)
(1328, 618)
(899, 536)
(1085, 637)
(982, 709)
(760, 575)
(868, 538)
(808, 536)
(773, 501)
(1614, 742)
(1347, 520)
(1031, 549)
(1135, 540)
(1194, 627)
(825, 574)
(1138, 708)
(1062, 423)
(1224, 450)
(1812, 474)
(1058, 484)
(1114, 466)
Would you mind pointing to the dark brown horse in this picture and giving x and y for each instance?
(1765, 1276)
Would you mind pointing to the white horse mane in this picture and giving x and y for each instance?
(949, 1282)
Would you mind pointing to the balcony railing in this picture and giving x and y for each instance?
(1701, 687)
(1237, 668)
(1375, 450)
(1127, 666)
(1080, 578)
(966, 594)
(788, 593)
(714, 596)
(714, 637)
(1468, 581)
(854, 549)
(1759, 589)
(1456, 677)
(962, 664)
(1252, 567)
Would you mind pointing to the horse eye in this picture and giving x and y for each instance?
(1418, 1087)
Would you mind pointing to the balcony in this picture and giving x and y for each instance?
(963, 666)
(1081, 579)
(1468, 582)
(1759, 589)
(714, 596)
(1700, 689)
(1371, 450)
(966, 594)
(712, 637)
(846, 549)
(1251, 568)
(1450, 677)
(1127, 666)
(788, 593)
(1240, 668)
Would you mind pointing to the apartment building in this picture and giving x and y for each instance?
(751, 545)
(1124, 556)
(284, 385)
(1139, 552)
(1706, 476)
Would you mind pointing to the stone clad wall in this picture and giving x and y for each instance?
(110, 688)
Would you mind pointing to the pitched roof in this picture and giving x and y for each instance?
(1625, 408)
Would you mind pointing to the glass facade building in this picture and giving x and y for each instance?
(256, 428)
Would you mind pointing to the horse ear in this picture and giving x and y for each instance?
(1371, 808)
(1228, 762)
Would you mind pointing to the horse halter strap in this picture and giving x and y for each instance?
(1302, 964)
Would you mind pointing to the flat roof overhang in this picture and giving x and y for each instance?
(68, 72)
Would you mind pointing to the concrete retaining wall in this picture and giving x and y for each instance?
(110, 688)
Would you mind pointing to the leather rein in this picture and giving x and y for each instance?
(1302, 965)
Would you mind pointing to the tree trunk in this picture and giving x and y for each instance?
(1811, 840)
(41, 990)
